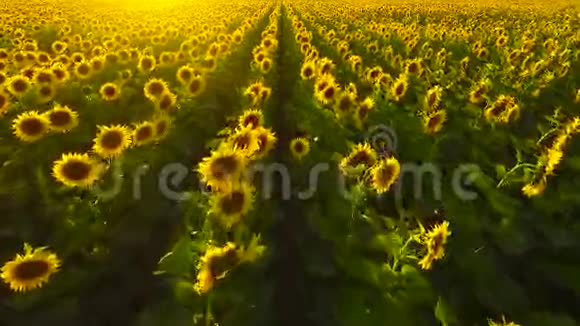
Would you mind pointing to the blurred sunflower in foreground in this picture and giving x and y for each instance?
(30, 270)
(217, 262)
(503, 322)
(435, 241)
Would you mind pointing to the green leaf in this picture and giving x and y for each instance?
(500, 170)
(361, 269)
(179, 261)
(444, 313)
(390, 243)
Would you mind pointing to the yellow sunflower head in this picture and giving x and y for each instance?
(162, 125)
(144, 133)
(44, 76)
(214, 265)
(30, 126)
(62, 118)
(299, 147)
(229, 206)
(18, 85)
(399, 88)
(222, 168)
(384, 174)
(45, 93)
(76, 170)
(4, 102)
(433, 98)
(535, 188)
(502, 322)
(266, 141)
(245, 140)
(308, 70)
(196, 85)
(433, 122)
(147, 63)
(251, 118)
(266, 65)
(110, 91)
(83, 70)
(185, 74)
(111, 141)
(344, 104)
(361, 154)
(166, 102)
(154, 88)
(30, 270)
(60, 72)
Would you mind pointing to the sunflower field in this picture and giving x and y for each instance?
(289, 162)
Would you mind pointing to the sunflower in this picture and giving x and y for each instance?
(299, 147)
(414, 67)
(146, 63)
(110, 91)
(44, 76)
(322, 82)
(162, 125)
(144, 133)
(76, 170)
(154, 88)
(209, 63)
(362, 112)
(18, 85)
(214, 265)
(433, 122)
(433, 98)
(83, 70)
(251, 252)
(4, 102)
(45, 93)
(399, 88)
(372, 75)
(166, 101)
(30, 270)
(266, 65)
(229, 206)
(384, 174)
(96, 65)
(245, 140)
(266, 141)
(263, 96)
(196, 86)
(60, 72)
(30, 126)
(503, 322)
(308, 70)
(344, 104)
(435, 241)
(325, 66)
(251, 118)
(253, 90)
(536, 187)
(222, 168)
(184, 74)
(62, 118)
(361, 154)
(111, 141)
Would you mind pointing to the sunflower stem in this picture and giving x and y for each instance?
(403, 248)
(512, 171)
